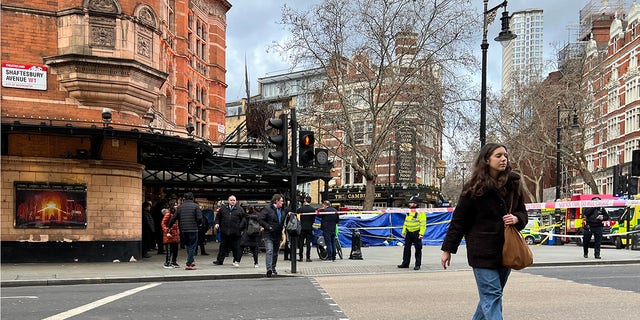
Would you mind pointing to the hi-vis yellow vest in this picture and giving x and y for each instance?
(415, 221)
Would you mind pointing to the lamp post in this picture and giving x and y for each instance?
(574, 125)
(505, 35)
(389, 198)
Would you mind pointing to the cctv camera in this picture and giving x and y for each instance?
(106, 114)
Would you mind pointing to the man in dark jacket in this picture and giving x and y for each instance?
(156, 214)
(593, 226)
(229, 222)
(330, 218)
(148, 229)
(189, 216)
(272, 219)
(306, 233)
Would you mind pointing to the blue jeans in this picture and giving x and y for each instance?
(330, 241)
(271, 253)
(490, 284)
(191, 241)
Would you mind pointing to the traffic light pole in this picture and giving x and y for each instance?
(293, 243)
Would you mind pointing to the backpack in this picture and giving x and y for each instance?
(293, 226)
(253, 227)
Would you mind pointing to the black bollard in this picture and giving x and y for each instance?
(356, 244)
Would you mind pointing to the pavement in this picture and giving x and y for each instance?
(375, 260)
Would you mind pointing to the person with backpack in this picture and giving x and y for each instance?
(251, 237)
(272, 219)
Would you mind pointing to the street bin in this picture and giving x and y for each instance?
(635, 238)
(356, 245)
(558, 240)
(552, 239)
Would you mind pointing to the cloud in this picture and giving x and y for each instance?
(253, 26)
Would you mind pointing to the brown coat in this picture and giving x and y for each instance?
(479, 221)
(175, 231)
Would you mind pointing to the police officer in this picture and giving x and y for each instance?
(415, 224)
(593, 226)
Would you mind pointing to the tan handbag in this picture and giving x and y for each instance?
(515, 252)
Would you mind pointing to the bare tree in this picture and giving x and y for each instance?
(389, 63)
(529, 125)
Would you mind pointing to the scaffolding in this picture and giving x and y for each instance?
(596, 10)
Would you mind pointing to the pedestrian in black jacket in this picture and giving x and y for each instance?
(202, 233)
(189, 216)
(229, 222)
(148, 230)
(251, 241)
(330, 219)
(490, 199)
(157, 215)
(593, 226)
(306, 233)
(272, 219)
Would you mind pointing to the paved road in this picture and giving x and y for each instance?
(281, 298)
(451, 295)
(556, 292)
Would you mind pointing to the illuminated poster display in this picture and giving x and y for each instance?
(50, 205)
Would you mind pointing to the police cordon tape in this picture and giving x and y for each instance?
(529, 206)
(582, 204)
(580, 236)
(383, 211)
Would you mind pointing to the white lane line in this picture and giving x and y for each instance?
(20, 297)
(101, 302)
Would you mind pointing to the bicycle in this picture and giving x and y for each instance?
(322, 248)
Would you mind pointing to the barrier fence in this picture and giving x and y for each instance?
(384, 226)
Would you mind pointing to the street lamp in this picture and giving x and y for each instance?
(505, 35)
(463, 171)
(574, 125)
(389, 196)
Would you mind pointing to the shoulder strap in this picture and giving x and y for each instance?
(513, 199)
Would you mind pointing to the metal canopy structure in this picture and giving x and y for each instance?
(175, 162)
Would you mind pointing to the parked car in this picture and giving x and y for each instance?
(531, 231)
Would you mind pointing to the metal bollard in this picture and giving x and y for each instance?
(635, 238)
(356, 244)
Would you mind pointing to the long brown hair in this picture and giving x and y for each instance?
(481, 182)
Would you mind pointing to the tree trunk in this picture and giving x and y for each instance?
(370, 195)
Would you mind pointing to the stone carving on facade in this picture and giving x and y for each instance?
(106, 6)
(103, 36)
(207, 7)
(144, 46)
(147, 17)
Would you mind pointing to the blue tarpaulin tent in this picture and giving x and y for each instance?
(386, 228)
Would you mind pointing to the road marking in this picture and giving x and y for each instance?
(82, 309)
(20, 297)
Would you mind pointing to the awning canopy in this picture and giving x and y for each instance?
(176, 162)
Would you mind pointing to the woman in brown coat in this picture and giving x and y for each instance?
(170, 237)
(491, 199)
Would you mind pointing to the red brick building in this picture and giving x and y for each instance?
(153, 66)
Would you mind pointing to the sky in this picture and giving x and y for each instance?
(253, 26)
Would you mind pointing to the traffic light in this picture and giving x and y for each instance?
(635, 163)
(281, 140)
(306, 150)
(632, 186)
(620, 188)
